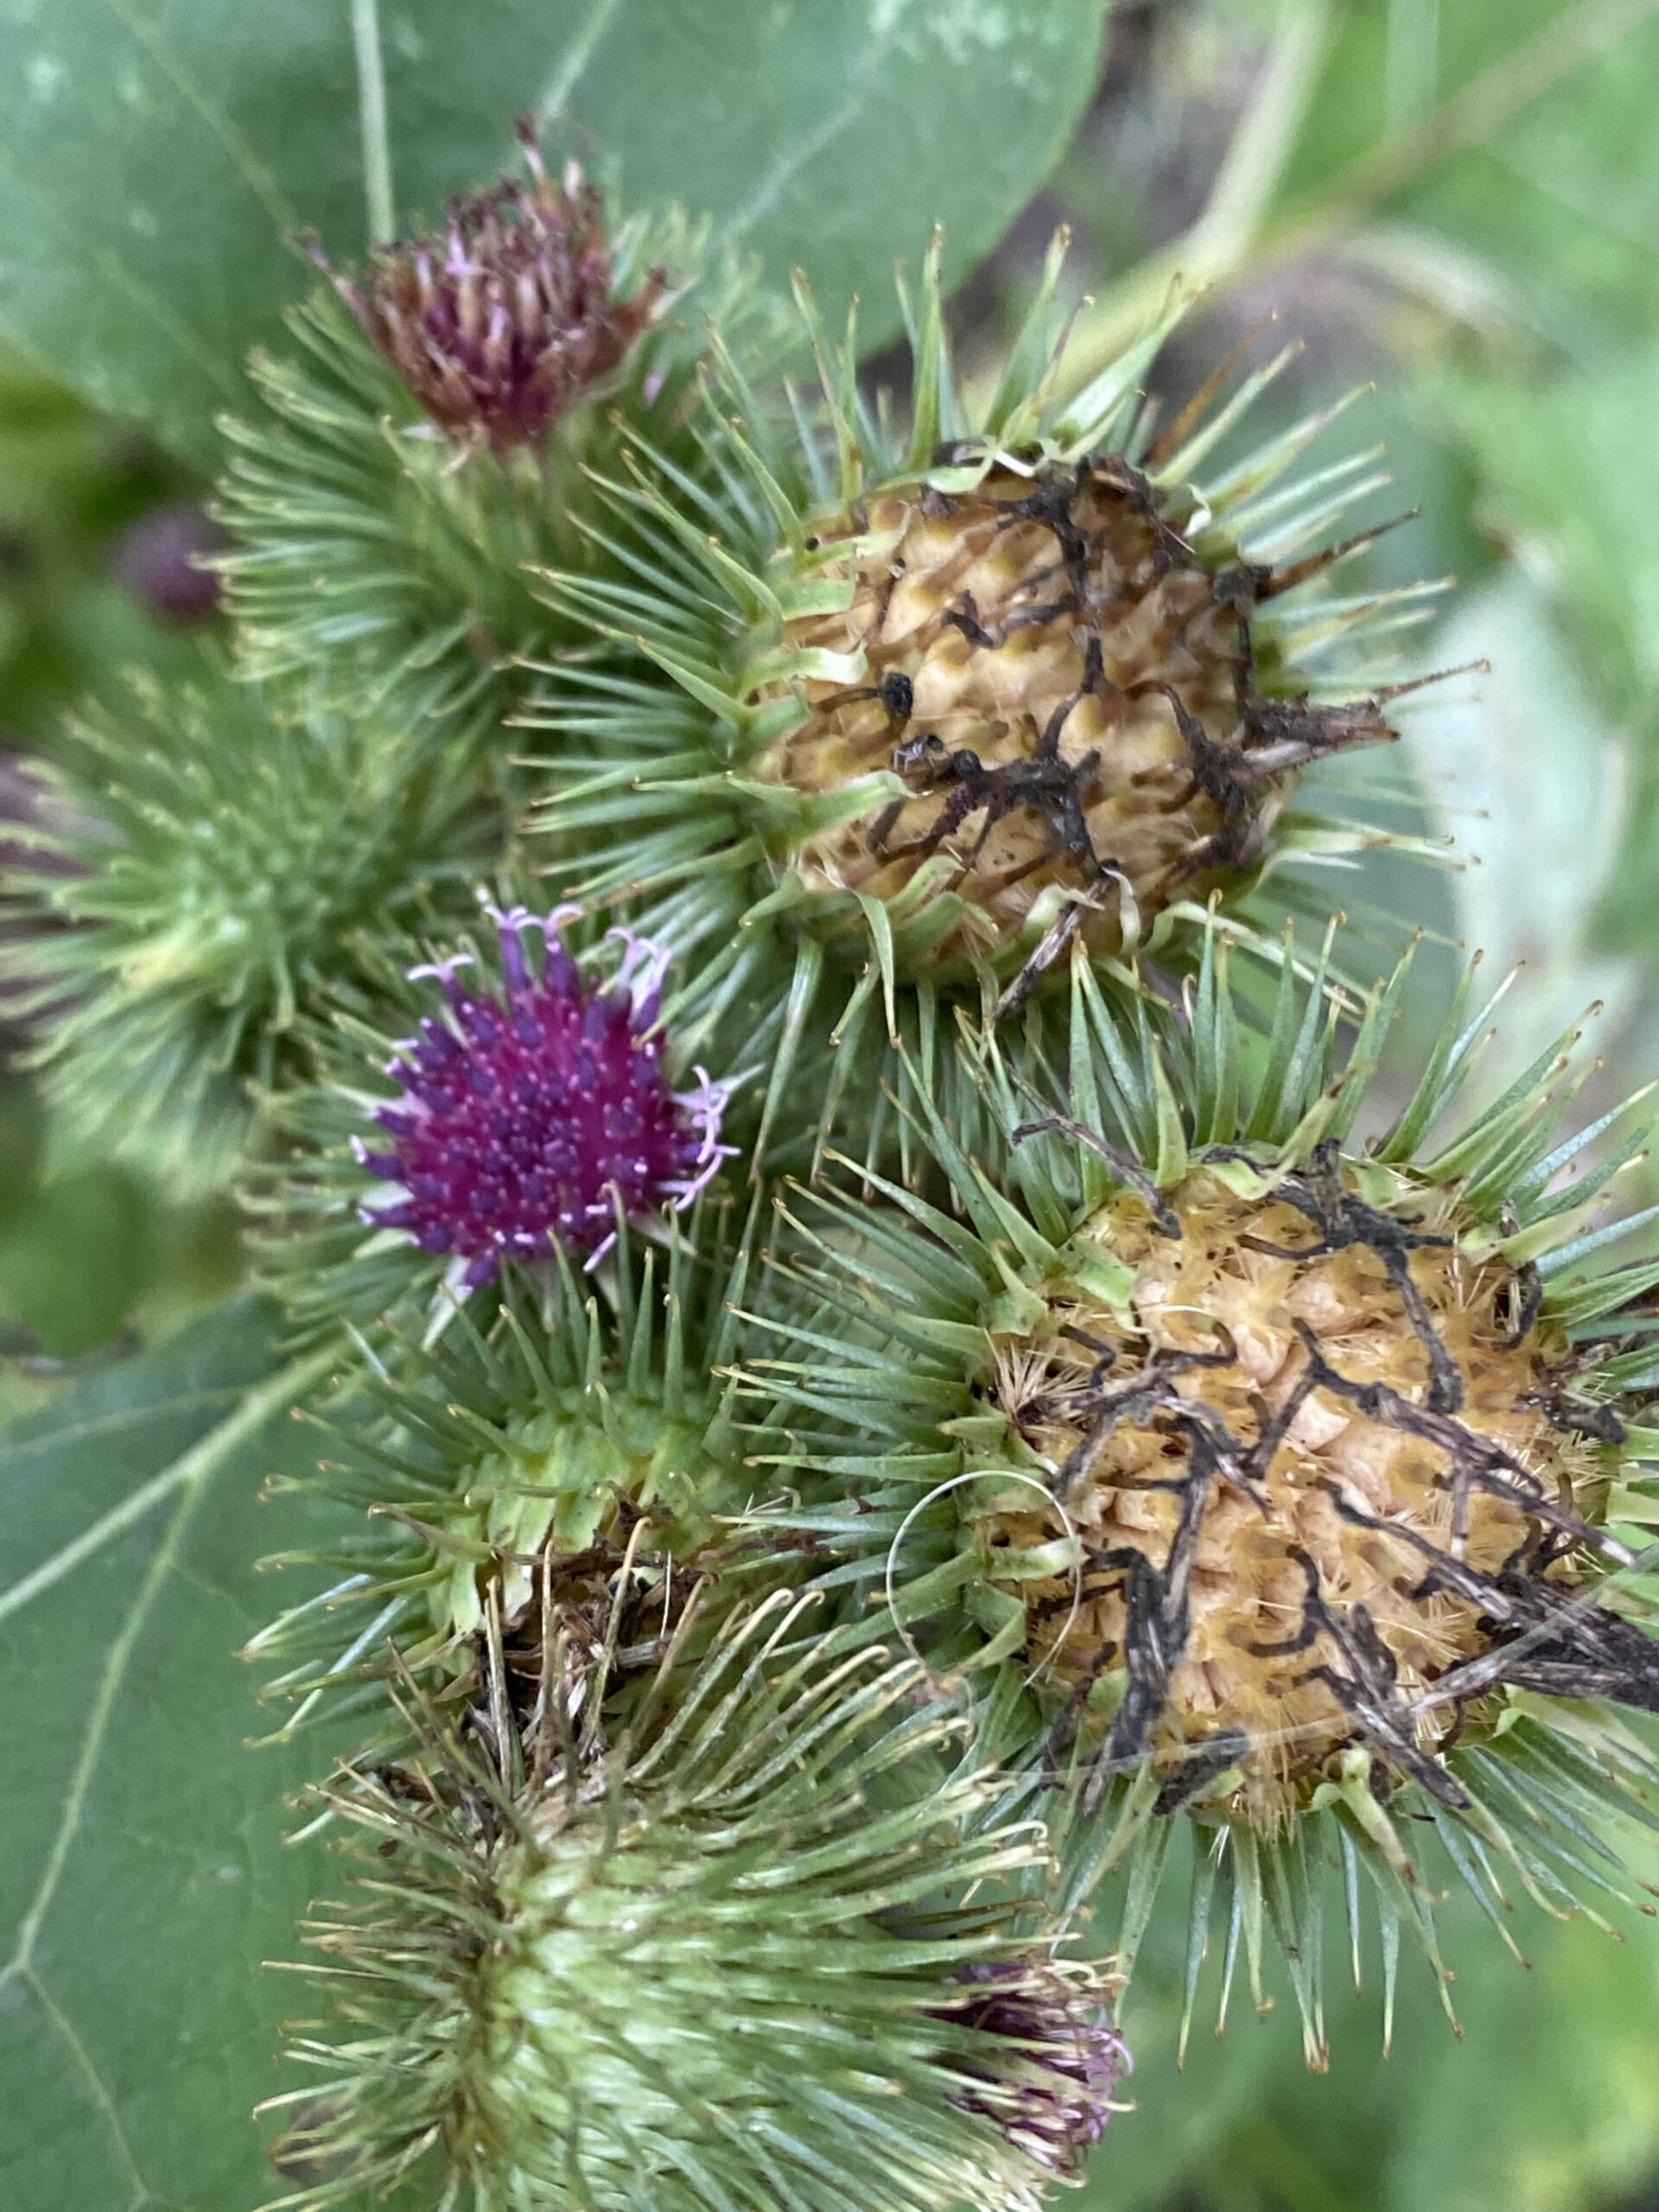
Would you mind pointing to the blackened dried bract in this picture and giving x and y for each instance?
(1239, 771)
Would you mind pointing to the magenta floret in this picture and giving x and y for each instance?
(506, 318)
(527, 1119)
(1056, 2103)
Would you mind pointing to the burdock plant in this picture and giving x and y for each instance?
(728, 1958)
(890, 1348)
(426, 436)
(500, 1098)
(891, 710)
(1251, 1471)
(586, 1447)
(510, 317)
(222, 857)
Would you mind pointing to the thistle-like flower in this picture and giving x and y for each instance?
(539, 1114)
(507, 317)
(427, 435)
(164, 560)
(1069, 2030)
(927, 708)
(220, 861)
(535, 1110)
(722, 1964)
(1274, 1471)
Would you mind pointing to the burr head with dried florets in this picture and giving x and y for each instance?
(1326, 1461)
(1280, 1478)
(711, 1950)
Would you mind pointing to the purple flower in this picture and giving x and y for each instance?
(1049, 2087)
(161, 560)
(529, 1118)
(503, 319)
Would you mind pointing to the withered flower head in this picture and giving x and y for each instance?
(1066, 688)
(1284, 1469)
(1346, 1460)
(1026, 679)
(504, 319)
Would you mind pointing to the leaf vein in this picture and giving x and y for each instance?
(795, 157)
(115, 1666)
(105, 2103)
(184, 81)
(576, 56)
(191, 1474)
(53, 1441)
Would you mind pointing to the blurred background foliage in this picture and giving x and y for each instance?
(97, 529)
(1456, 202)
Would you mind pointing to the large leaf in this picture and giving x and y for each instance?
(143, 1875)
(154, 154)
(1570, 471)
(1521, 764)
(1496, 160)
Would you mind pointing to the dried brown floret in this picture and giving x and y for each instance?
(1326, 1471)
(1067, 691)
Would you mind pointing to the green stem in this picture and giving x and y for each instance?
(372, 109)
(1231, 243)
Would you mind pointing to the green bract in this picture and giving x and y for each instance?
(567, 1452)
(1250, 1469)
(223, 855)
(724, 1962)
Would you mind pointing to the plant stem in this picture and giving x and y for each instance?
(1232, 243)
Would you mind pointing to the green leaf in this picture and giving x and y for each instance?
(1572, 465)
(1570, 471)
(1499, 161)
(144, 1875)
(1534, 784)
(154, 154)
(1549, 2102)
(1521, 134)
